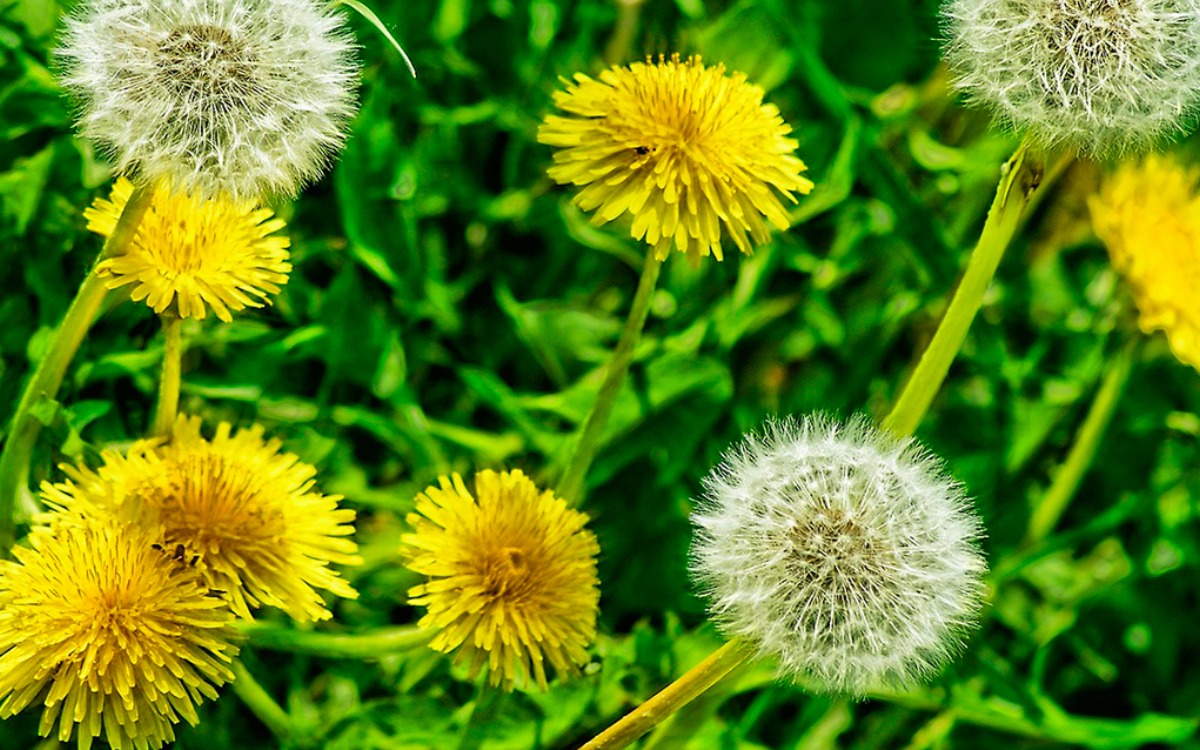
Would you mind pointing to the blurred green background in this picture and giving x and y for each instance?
(450, 311)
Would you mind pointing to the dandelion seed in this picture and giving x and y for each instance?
(1100, 76)
(220, 96)
(689, 152)
(1148, 216)
(259, 529)
(194, 254)
(512, 576)
(113, 637)
(842, 551)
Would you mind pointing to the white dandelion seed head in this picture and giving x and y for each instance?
(1100, 76)
(246, 97)
(846, 553)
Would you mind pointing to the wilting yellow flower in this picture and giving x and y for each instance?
(111, 632)
(195, 253)
(512, 576)
(683, 148)
(1148, 215)
(249, 514)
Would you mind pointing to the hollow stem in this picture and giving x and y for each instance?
(571, 486)
(487, 704)
(172, 374)
(673, 697)
(1019, 182)
(370, 645)
(48, 375)
(261, 704)
(1079, 458)
(621, 41)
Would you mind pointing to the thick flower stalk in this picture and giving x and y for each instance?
(844, 552)
(512, 576)
(219, 96)
(113, 634)
(1147, 214)
(690, 153)
(191, 255)
(1099, 76)
(249, 514)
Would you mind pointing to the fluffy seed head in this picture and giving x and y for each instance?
(111, 633)
(1148, 215)
(246, 514)
(689, 152)
(512, 576)
(844, 552)
(194, 254)
(1100, 76)
(237, 96)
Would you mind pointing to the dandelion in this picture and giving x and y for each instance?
(215, 96)
(512, 576)
(194, 254)
(842, 551)
(110, 632)
(689, 152)
(1148, 215)
(1100, 76)
(249, 514)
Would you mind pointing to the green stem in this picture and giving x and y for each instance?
(571, 486)
(1021, 178)
(487, 705)
(49, 374)
(261, 704)
(172, 375)
(370, 645)
(621, 41)
(1069, 475)
(673, 697)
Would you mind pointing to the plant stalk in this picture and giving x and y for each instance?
(261, 704)
(172, 375)
(49, 373)
(370, 645)
(673, 697)
(572, 485)
(487, 705)
(1018, 184)
(1083, 450)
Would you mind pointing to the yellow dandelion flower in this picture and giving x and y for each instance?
(686, 150)
(1148, 215)
(195, 253)
(259, 530)
(512, 576)
(111, 632)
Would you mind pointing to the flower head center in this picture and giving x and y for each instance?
(207, 63)
(213, 503)
(506, 574)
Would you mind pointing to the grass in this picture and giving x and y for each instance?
(450, 310)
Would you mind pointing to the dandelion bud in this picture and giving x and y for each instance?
(215, 96)
(844, 552)
(1100, 76)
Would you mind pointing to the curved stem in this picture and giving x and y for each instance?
(487, 704)
(44, 384)
(571, 486)
(1021, 178)
(261, 704)
(673, 697)
(621, 41)
(370, 645)
(172, 375)
(1069, 475)
(49, 374)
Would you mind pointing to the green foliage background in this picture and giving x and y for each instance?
(450, 310)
